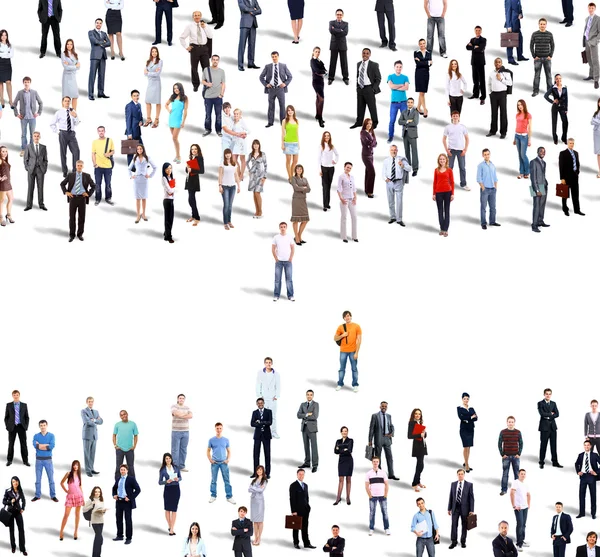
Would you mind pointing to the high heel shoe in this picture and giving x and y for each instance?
(9, 219)
(321, 123)
(155, 125)
(147, 122)
(348, 502)
(337, 501)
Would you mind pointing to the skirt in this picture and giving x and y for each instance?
(291, 149)
(296, 8)
(74, 500)
(345, 466)
(114, 22)
(171, 496)
(140, 187)
(5, 70)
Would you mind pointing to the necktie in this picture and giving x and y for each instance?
(393, 168)
(198, 33)
(68, 121)
(587, 463)
(307, 405)
(302, 485)
(555, 523)
(574, 160)
(459, 494)
(51, 11)
(361, 75)
(275, 75)
(587, 29)
(261, 414)
(37, 150)
(17, 413)
(78, 189)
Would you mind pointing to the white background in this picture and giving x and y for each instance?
(133, 321)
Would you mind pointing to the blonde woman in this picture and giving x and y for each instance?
(443, 192)
(456, 84)
(238, 145)
(290, 143)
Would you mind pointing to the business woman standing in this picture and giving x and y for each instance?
(522, 140)
(74, 497)
(419, 448)
(328, 156)
(368, 142)
(290, 141)
(300, 216)
(443, 192)
(170, 476)
(152, 71)
(238, 145)
(560, 106)
(71, 65)
(95, 503)
(456, 84)
(343, 448)
(228, 180)
(422, 62)
(114, 25)
(6, 191)
(192, 181)
(6, 53)
(177, 107)
(168, 184)
(194, 545)
(596, 123)
(139, 168)
(467, 417)
(14, 501)
(257, 502)
(257, 168)
(318, 82)
(296, 8)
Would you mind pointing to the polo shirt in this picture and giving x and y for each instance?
(219, 446)
(398, 96)
(349, 342)
(376, 479)
(99, 148)
(125, 432)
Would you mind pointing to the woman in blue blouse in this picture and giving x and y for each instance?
(170, 476)
(194, 545)
(467, 417)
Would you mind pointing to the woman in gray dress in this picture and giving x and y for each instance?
(596, 123)
(299, 208)
(257, 502)
(140, 172)
(257, 167)
(153, 70)
(71, 66)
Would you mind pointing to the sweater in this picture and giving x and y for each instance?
(97, 514)
(542, 44)
(47, 439)
(443, 181)
(510, 442)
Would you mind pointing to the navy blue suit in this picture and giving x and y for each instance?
(164, 7)
(566, 529)
(587, 480)
(512, 11)
(262, 434)
(124, 508)
(133, 117)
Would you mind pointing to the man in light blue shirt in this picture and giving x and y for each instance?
(218, 455)
(488, 182)
(426, 537)
(43, 443)
(398, 83)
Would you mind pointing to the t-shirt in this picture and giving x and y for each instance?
(520, 493)
(353, 330)
(125, 431)
(283, 248)
(522, 122)
(99, 148)
(436, 7)
(398, 96)
(219, 447)
(179, 424)
(376, 479)
(218, 77)
(456, 136)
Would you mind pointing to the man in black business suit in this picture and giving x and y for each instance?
(300, 507)
(242, 530)
(502, 545)
(477, 47)
(261, 422)
(561, 530)
(50, 13)
(567, 6)
(548, 413)
(587, 467)
(36, 163)
(569, 167)
(338, 45)
(275, 78)
(125, 492)
(217, 12)
(368, 78)
(385, 9)
(461, 504)
(591, 539)
(336, 544)
(78, 186)
(16, 421)
(381, 431)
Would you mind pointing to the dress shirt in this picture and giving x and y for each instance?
(196, 35)
(574, 159)
(27, 103)
(387, 168)
(486, 174)
(495, 85)
(346, 186)
(6, 51)
(327, 156)
(591, 552)
(587, 36)
(367, 81)
(557, 530)
(121, 487)
(114, 4)
(424, 517)
(301, 484)
(59, 122)
(455, 85)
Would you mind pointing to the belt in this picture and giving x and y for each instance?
(43, 458)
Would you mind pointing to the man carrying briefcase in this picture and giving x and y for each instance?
(569, 167)
(300, 508)
(514, 14)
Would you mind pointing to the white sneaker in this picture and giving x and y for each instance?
(231, 500)
(338, 388)
(275, 298)
(212, 499)
(525, 544)
(387, 532)
(355, 389)
(371, 532)
(466, 188)
(275, 436)
(292, 299)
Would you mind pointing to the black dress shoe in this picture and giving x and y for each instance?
(391, 221)
(89, 475)
(211, 22)
(309, 546)
(254, 67)
(241, 68)
(542, 466)
(401, 223)
(394, 478)
(393, 48)
(347, 81)
(55, 499)
(170, 43)
(9, 463)
(543, 224)
(329, 81)
(535, 229)
(27, 209)
(566, 212)
(584, 79)
(71, 238)
(568, 25)
(490, 134)
(35, 499)
(304, 465)
(495, 224)
(414, 172)
(345, 241)
(522, 59)
(513, 63)
(452, 545)
(103, 96)
(110, 202)
(580, 516)
(42, 54)
(297, 545)
(43, 208)
(556, 142)
(253, 476)
(219, 26)
(268, 125)
(563, 21)
(80, 238)
(484, 226)
(463, 544)
(557, 465)
(355, 126)
(383, 45)
(473, 97)
(27, 464)
(118, 539)
(580, 213)
(502, 136)
(195, 89)
(91, 98)
(314, 469)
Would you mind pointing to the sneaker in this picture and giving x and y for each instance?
(444, 55)
(110, 202)
(96, 203)
(206, 133)
(184, 469)
(525, 544)
(338, 388)
(519, 549)
(466, 188)
(21, 153)
(371, 532)
(387, 532)
(212, 499)
(292, 299)
(276, 298)
(231, 500)
(355, 389)
(219, 134)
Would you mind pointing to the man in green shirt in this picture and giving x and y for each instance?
(125, 437)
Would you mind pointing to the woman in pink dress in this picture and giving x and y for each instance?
(74, 496)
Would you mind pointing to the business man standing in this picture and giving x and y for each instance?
(195, 39)
(78, 186)
(50, 13)
(461, 504)
(299, 505)
(16, 421)
(395, 172)
(548, 411)
(368, 78)
(385, 10)
(538, 189)
(567, 6)
(133, 120)
(591, 37)
(275, 78)
(36, 164)
(502, 545)
(477, 47)
(381, 431)
(125, 492)
(587, 467)
(164, 7)
(336, 544)
(569, 167)
(242, 530)
(217, 12)
(64, 123)
(249, 10)
(99, 42)
(513, 15)
(590, 548)
(91, 420)
(309, 414)
(338, 46)
(560, 531)
(261, 421)
(409, 120)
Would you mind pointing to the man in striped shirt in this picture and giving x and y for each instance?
(542, 50)
(510, 445)
(376, 484)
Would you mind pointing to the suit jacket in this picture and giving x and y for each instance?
(90, 429)
(375, 431)
(565, 168)
(309, 421)
(9, 416)
(467, 499)
(547, 422)
(582, 551)
(373, 74)
(477, 54)
(537, 174)
(132, 489)
(99, 42)
(410, 128)
(563, 99)
(589, 426)
(262, 428)
(241, 540)
(285, 76)
(299, 499)
(249, 10)
(384, 5)
(339, 543)
(133, 117)
(35, 102)
(502, 548)
(566, 527)
(42, 10)
(31, 160)
(594, 35)
(512, 11)
(86, 181)
(338, 31)
(594, 465)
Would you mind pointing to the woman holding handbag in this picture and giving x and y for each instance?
(343, 448)
(416, 432)
(193, 169)
(14, 501)
(93, 511)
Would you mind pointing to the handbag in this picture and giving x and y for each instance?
(369, 451)
(438, 540)
(339, 342)
(5, 516)
(584, 57)
(509, 40)
(205, 87)
(293, 522)
(87, 515)
(471, 521)
(128, 146)
(111, 158)
(562, 190)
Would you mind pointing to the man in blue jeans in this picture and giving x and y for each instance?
(426, 537)
(398, 83)
(520, 499)
(180, 431)
(377, 485)
(218, 455)
(488, 182)
(349, 337)
(283, 252)
(103, 149)
(510, 445)
(213, 79)
(44, 444)
(456, 143)
(28, 106)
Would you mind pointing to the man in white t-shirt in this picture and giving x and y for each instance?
(456, 146)
(283, 252)
(521, 500)
(436, 13)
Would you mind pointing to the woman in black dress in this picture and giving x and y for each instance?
(14, 501)
(343, 447)
(6, 54)
(192, 180)
(170, 476)
(467, 417)
(423, 62)
(416, 432)
(319, 72)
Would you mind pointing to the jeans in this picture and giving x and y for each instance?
(214, 470)
(522, 151)
(423, 543)
(24, 123)
(384, 512)
(105, 173)
(442, 199)
(395, 107)
(179, 444)
(537, 67)
(280, 266)
(209, 105)
(506, 464)
(440, 22)
(456, 153)
(509, 51)
(488, 195)
(228, 195)
(521, 517)
(44, 465)
(344, 356)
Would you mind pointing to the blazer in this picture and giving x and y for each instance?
(375, 431)
(86, 181)
(9, 416)
(241, 540)
(132, 489)
(565, 168)
(467, 499)
(35, 102)
(566, 527)
(410, 129)
(338, 31)
(299, 499)
(344, 449)
(42, 10)
(477, 54)
(262, 428)
(248, 19)
(373, 74)
(90, 429)
(563, 99)
(133, 117)
(309, 421)
(512, 11)
(384, 5)
(163, 476)
(537, 174)
(368, 142)
(285, 76)
(547, 422)
(18, 505)
(589, 426)
(582, 551)
(502, 548)
(339, 543)
(200, 548)
(594, 464)
(594, 34)
(99, 42)
(31, 160)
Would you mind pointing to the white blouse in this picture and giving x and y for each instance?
(327, 156)
(228, 175)
(455, 85)
(114, 4)
(6, 51)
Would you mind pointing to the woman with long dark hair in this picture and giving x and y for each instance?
(193, 169)
(318, 82)
(152, 71)
(456, 84)
(522, 139)
(228, 180)
(6, 191)
(596, 123)
(95, 503)
(467, 417)
(170, 476)
(328, 156)
(290, 142)
(6, 53)
(343, 448)
(368, 142)
(71, 65)
(168, 184)
(14, 501)
(422, 63)
(139, 167)
(257, 502)
(416, 432)
(300, 216)
(74, 496)
(194, 544)
(257, 168)
(177, 107)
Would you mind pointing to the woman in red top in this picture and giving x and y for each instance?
(523, 137)
(443, 192)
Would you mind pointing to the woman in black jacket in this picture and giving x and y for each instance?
(192, 180)
(318, 72)
(14, 500)
(343, 447)
(416, 432)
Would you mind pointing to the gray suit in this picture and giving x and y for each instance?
(90, 436)
(537, 174)
(36, 166)
(379, 440)
(309, 430)
(99, 42)
(284, 76)
(249, 9)
(410, 135)
(591, 46)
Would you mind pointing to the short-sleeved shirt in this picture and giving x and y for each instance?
(218, 77)
(219, 446)
(436, 8)
(398, 96)
(125, 432)
(179, 424)
(99, 148)
(353, 331)
(376, 479)
(456, 136)
(283, 246)
(522, 122)
(521, 491)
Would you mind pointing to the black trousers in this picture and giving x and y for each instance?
(564, 120)
(97, 549)
(326, 181)
(454, 529)
(479, 81)
(266, 443)
(168, 11)
(217, 10)
(558, 547)
(305, 539)
(546, 436)
(420, 464)
(587, 481)
(129, 457)
(567, 6)
(77, 206)
(455, 104)
(366, 97)
(18, 518)
(198, 54)
(193, 205)
(12, 435)
(169, 217)
(51, 22)
(343, 62)
(391, 27)
(595, 441)
(123, 509)
(498, 101)
(573, 184)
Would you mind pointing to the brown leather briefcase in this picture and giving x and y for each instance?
(471, 521)
(293, 522)
(128, 146)
(562, 190)
(584, 57)
(508, 40)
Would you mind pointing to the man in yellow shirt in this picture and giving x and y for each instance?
(349, 338)
(102, 151)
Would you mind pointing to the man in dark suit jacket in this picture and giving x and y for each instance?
(461, 504)
(275, 78)
(36, 164)
(299, 507)
(133, 120)
(338, 45)
(502, 545)
(217, 12)
(385, 9)
(164, 7)
(548, 412)
(381, 431)
(50, 17)
(477, 47)
(16, 421)
(99, 42)
(567, 6)
(335, 545)
(409, 120)
(513, 15)
(538, 189)
(242, 530)
(125, 492)
(261, 422)
(368, 78)
(561, 530)
(249, 10)
(587, 467)
(569, 167)
(78, 187)
(582, 550)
